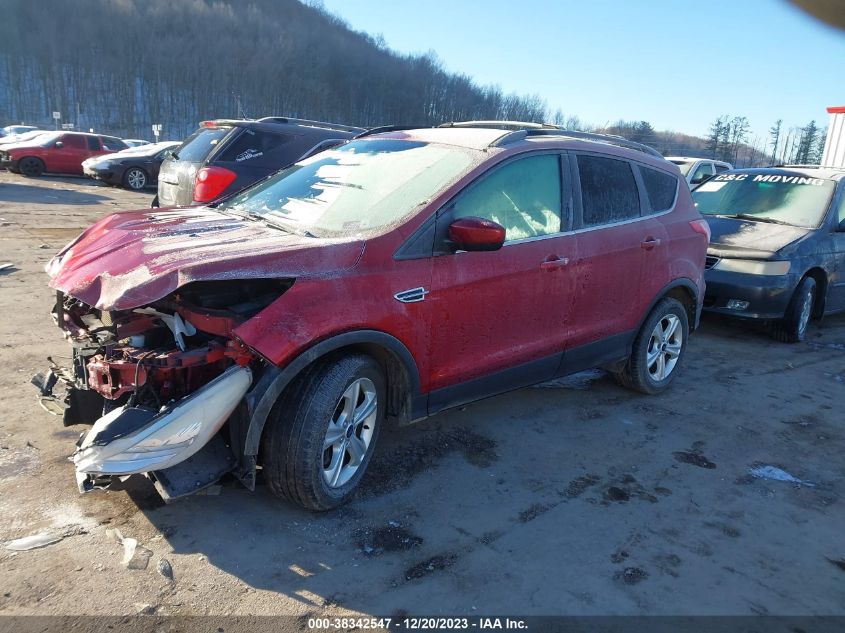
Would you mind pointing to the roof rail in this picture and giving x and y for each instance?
(522, 129)
(501, 125)
(333, 126)
(809, 166)
(389, 128)
(610, 139)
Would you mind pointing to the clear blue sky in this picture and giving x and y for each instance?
(676, 64)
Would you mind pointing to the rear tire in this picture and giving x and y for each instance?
(30, 166)
(658, 349)
(793, 327)
(323, 430)
(135, 179)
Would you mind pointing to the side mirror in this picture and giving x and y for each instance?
(476, 234)
(59, 145)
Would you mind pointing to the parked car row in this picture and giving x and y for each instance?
(396, 274)
(134, 168)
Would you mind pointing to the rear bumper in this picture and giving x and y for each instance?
(768, 296)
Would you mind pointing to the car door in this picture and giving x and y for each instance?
(613, 241)
(836, 292)
(499, 319)
(67, 154)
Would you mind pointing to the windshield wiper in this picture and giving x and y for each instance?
(755, 218)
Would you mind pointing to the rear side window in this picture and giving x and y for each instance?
(522, 196)
(660, 189)
(256, 147)
(200, 144)
(74, 141)
(114, 144)
(93, 143)
(608, 190)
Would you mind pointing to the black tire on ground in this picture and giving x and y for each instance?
(154, 203)
(641, 375)
(792, 328)
(292, 448)
(31, 166)
(135, 179)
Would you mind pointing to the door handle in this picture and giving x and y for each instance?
(553, 262)
(649, 243)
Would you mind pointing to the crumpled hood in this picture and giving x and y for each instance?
(731, 237)
(130, 259)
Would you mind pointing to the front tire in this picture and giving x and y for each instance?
(135, 179)
(793, 327)
(658, 349)
(323, 431)
(31, 166)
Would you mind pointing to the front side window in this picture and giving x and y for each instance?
(704, 171)
(721, 169)
(72, 141)
(93, 143)
(522, 196)
(785, 198)
(684, 165)
(608, 190)
(362, 188)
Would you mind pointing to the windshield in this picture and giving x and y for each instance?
(45, 139)
(359, 188)
(200, 144)
(788, 198)
(684, 165)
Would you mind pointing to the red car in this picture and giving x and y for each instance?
(378, 282)
(56, 152)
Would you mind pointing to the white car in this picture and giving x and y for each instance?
(697, 170)
(18, 129)
(135, 142)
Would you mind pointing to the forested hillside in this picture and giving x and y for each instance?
(126, 64)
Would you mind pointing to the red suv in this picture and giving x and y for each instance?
(378, 282)
(56, 152)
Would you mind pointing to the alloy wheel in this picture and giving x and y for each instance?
(350, 432)
(136, 179)
(30, 167)
(664, 347)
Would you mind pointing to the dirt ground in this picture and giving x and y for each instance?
(576, 498)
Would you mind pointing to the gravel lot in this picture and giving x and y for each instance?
(575, 498)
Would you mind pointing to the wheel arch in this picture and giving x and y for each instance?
(682, 290)
(820, 277)
(405, 402)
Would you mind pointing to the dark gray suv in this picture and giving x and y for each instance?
(224, 156)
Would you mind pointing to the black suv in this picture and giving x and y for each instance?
(224, 156)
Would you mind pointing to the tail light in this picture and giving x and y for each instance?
(211, 182)
(701, 226)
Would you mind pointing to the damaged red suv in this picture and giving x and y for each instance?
(375, 283)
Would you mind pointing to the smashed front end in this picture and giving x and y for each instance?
(162, 384)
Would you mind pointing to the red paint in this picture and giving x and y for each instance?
(60, 160)
(477, 234)
(485, 311)
(836, 110)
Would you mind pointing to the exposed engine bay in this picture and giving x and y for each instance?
(158, 383)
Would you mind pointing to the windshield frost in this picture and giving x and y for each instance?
(359, 188)
(788, 198)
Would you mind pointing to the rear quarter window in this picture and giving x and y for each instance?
(258, 148)
(660, 189)
(608, 190)
(114, 144)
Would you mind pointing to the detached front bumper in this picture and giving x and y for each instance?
(132, 440)
(767, 295)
